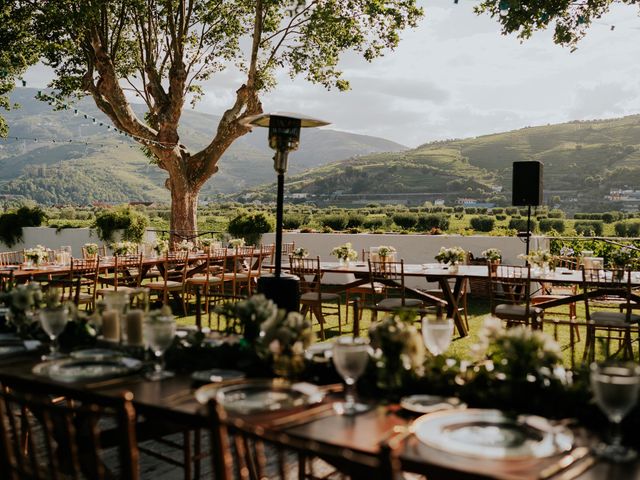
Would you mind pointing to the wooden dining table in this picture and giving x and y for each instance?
(172, 401)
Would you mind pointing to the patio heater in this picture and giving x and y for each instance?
(284, 137)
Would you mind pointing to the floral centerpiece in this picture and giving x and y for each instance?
(493, 256)
(514, 366)
(621, 257)
(123, 248)
(386, 252)
(452, 256)
(300, 252)
(539, 259)
(276, 336)
(236, 242)
(208, 244)
(185, 246)
(36, 255)
(91, 249)
(344, 253)
(399, 350)
(567, 251)
(161, 246)
(22, 300)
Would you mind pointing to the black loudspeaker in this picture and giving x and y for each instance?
(527, 183)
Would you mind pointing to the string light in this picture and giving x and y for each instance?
(94, 120)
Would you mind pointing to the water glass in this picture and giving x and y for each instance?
(350, 357)
(437, 333)
(615, 388)
(158, 336)
(53, 322)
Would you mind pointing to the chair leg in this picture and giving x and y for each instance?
(186, 454)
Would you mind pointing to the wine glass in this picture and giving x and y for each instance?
(615, 387)
(158, 335)
(350, 357)
(53, 321)
(437, 333)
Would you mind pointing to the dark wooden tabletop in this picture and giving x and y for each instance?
(172, 400)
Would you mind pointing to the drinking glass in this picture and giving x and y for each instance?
(53, 321)
(158, 335)
(615, 387)
(437, 333)
(350, 357)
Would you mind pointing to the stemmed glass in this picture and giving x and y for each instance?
(158, 336)
(53, 321)
(615, 387)
(437, 333)
(350, 357)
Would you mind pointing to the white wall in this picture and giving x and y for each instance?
(411, 248)
(51, 238)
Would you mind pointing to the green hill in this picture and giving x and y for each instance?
(77, 161)
(582, 162)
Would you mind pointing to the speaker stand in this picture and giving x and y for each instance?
(528, 227)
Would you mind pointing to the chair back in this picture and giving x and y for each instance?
(242, 450)
(607, 288)
(511, 285)
(12, 258)
(308, 271)
(102, 252)
(389, 273)
(127, 271)
(83, 273)
(43, 438)
(175, 266)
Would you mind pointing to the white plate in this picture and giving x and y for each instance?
(81, 369)
(259, 396)
(430, 403)
(491, 434)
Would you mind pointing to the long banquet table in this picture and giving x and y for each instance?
(172, 400)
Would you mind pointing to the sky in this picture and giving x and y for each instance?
(456, 76)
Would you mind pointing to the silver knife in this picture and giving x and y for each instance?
(563, 463)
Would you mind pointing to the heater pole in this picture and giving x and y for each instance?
(279, 213)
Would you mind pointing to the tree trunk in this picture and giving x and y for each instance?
(184, 208)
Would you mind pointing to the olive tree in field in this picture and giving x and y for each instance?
(570, 19)
(163, 50)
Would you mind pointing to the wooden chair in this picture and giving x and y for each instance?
(242, 450)
(363, 291)
(12, 258)
(237, 273)
(550, 291)
(125, 277)
(211, 279)
(510, 296)
(80, 286)
(312, 298)
(43, 439)
(174, 274)
(390, 274)
(603, 289)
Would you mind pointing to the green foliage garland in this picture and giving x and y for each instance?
(124, 218)
(11, 223)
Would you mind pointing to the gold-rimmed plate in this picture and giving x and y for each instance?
(492, 434)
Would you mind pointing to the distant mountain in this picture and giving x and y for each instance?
(583, 161)
(59, 157)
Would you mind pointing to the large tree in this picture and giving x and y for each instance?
(570, 19)
(162, 51)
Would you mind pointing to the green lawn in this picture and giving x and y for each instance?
(478, 309)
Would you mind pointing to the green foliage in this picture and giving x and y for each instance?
(405, 221)
(520, 224)
(482, 223)
(334, 222)
(131, 222)
(589, 228)
(627, 229)
(11, 223)
(293, 221)
(374, 222)
(556, 214)
(548, 224)
(251, 226)
(354, 220)
(426, 223)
